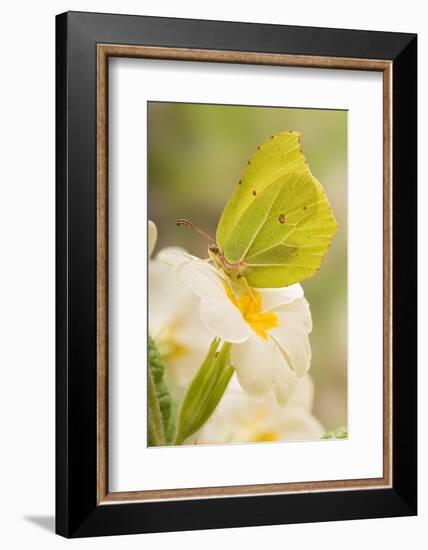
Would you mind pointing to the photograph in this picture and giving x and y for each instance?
(247, 274)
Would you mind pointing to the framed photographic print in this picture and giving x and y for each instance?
(236, 274)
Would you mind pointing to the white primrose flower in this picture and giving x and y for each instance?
(240, 418)
(268, 328)
(174, 324)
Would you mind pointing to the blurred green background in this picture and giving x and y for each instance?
(196, 155)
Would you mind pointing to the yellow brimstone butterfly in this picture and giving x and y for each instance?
(278, 223)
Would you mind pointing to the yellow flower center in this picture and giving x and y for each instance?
(250, 304)
(168, 344)
(268, 435)
(257, 427)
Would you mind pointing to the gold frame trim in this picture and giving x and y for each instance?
(104, 51)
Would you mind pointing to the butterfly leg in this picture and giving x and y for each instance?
(249, 289)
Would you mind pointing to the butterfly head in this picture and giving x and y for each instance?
(233, 270)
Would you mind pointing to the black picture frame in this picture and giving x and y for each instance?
(78, 513)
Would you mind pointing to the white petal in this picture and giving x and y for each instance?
(174, 256)
(298, 424)
(296, 314)
(168, 298)
(217, 312)
(260, 365)
(203, 279)
(252, 363)
(292, 334)
(284, 382)
(224, 320)
(303, 395)
(275, 297)
(296, 347)
(152, 237)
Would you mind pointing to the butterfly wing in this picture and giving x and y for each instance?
(279, 155)
(284, 230)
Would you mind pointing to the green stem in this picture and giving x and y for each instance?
(155, 423)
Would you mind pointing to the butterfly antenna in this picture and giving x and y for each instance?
(183, 221)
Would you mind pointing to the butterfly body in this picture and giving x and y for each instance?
(233, 270)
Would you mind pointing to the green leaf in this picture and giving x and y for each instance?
(160, 405)
(339, 433)
(170, 426)
(205, 391)
(278, 224)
